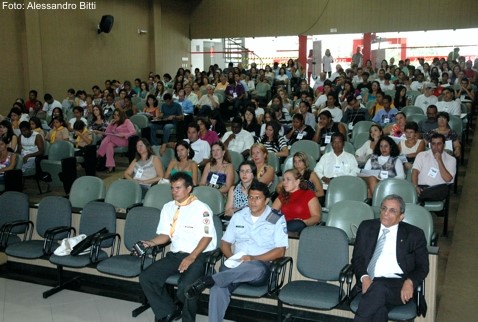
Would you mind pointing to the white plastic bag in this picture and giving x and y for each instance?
(67, 245)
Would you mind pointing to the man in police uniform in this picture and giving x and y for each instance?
(188, 224)
(259, 236)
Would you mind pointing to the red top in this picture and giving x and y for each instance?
(297, 205)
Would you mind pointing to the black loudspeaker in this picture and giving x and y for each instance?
(106, 24)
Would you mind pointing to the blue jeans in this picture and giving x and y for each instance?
(166, 132)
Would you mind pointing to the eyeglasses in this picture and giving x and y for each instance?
(393, 211)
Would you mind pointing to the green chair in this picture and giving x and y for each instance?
(94, 217)
(323, 257)
(140, 120)
(212, 197)
(52, 225)
(167, 156)
(401, 187)
(343, 188)
(157, 196)
(289, 163)
(273, 161)
(347, 215)
(418, 216)
(307, 146)
(412, 110)
(123, 193)
(417, 118)
(140, 224)
(56, 153)
(360, 139)
(86, 189)
(360, 127)
(18, 210)
(236, 159)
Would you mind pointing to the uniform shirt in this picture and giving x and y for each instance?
(429, 175)
(194, 222)
(269, 231)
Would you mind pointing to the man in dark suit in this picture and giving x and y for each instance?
(390, 259)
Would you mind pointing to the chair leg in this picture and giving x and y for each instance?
(61, 283)
(279, 310)
(144, 306)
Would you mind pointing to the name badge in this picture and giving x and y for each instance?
(138, 174)
(386, 120)
(351, 126)
(449, 145)
(433, 172)
(327, 139)
(337, 168)
(214, 179)
(234, 95)
(300, 135)
(383, 174)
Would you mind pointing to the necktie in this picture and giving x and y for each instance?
(377, 252)
(186, 202)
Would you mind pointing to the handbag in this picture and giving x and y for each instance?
(82, 247)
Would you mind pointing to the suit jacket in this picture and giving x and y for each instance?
(412, 252)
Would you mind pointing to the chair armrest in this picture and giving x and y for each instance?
(420, 299)
(50, 235)
(434, 239)
(345, 276)
(279, 268)
(213, 257)
(100, 200)
(7, 230)
(159, 249)
(96, 245)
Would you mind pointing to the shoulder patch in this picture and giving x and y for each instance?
(273, 216)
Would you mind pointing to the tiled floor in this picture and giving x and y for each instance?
(23, 302)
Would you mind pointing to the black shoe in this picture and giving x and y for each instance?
(199, 286)
(176, 315)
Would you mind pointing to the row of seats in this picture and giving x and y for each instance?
(316, 259)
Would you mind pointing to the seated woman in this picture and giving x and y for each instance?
(301, 164)
(452, 142)
(250, 123)
(366, 150)
(6, 131)
(183, 162)
(16, 116)
(151, 109)
(385, 161)
(411, 146)
(57, 112)
(397, 130)
(269, 115)
(35, 124)
(146, 168)
(8, 159)
(204, 133)
(297, 202)
(219, 171)
(98, 124)
(58, 132)
(217, 123)
(237, 195)
(259, 155)
(116, 134)
(273, 141)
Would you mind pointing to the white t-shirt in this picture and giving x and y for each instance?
(202, 150)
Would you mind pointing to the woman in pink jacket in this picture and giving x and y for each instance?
(116, 134)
